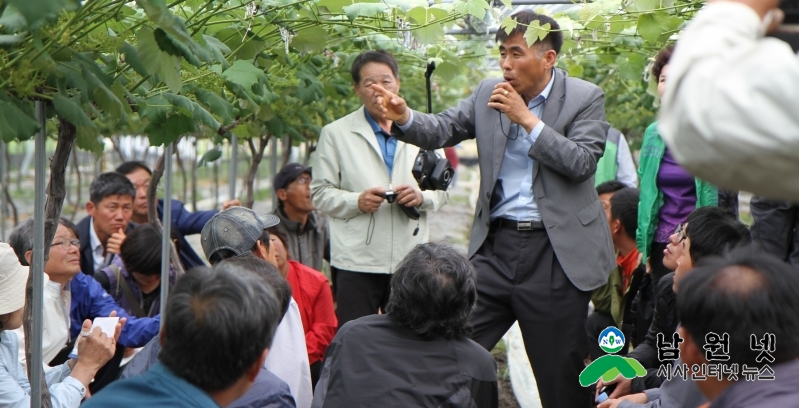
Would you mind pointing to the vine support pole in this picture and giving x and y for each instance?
(3, 181)
(35, 287)
(166, 242)
(234, 166)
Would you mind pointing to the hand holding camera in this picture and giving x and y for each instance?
(408, 198)
(370, 200)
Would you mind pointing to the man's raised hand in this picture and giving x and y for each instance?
(392, 106)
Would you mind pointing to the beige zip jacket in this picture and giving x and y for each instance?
(348, 161)
(730, 113)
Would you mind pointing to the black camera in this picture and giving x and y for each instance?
(432, 172)
(412, 212)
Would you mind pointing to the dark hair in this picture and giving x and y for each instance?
(378, 56)
(224, 253)
(131, 166)
(433, 292)
(139, 251)
(217, 324)
(610, 187)
(21, 238)
(268, 273)
(624, 207)
(712, 230)
(108, 184)
(745, 292)
(553, 39)
(661, 60)
(283, 238)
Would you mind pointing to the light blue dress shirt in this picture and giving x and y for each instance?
(65, 391)
(388, 144)
(513, 194)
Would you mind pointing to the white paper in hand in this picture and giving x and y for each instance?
(106, 324)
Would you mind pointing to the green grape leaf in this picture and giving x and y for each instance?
(17, 125)
(428, 34)
(88, 138)
(243, 73)
(652, 25)
(71, 111)
(210, 156)
(312, 39)
(508, 24)
(158, 62)
(476, 8)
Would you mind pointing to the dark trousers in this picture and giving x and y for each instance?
(360, 294)
(776, 228)
(520, 278)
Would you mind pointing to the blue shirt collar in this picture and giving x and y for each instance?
(372, 122)
(544, 95)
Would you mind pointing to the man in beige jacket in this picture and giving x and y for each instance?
(357, 162)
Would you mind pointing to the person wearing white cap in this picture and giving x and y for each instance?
(68, 382)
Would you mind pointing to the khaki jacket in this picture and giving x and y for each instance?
(348, 161)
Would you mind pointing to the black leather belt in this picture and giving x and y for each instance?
(505, 223)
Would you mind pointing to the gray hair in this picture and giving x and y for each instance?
(21, 238)
(218, 323)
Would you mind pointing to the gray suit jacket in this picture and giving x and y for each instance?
(565, 157)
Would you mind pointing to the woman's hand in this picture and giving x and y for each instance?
(95, 349)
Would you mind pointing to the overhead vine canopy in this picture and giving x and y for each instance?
(207, 66)
(280, 67)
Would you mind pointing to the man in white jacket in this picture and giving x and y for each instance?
(730, 114)
(357, 162)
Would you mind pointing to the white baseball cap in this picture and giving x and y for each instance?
(13, 278)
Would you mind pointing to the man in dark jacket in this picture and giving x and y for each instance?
(775, 228)
(709, 231)
(751, 296)
(418, 354)
(184, 222)
(307, 230)
(613, 301)
(101, 233)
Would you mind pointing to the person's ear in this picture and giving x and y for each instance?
(551, 57)
(615, 226)
(263, 253)
(90, 208)
(690, 352)
(162, 337)
(28, 256)
(282, 194)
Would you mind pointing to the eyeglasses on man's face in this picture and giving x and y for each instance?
(303, 180)
(65, 243)
(680, 231)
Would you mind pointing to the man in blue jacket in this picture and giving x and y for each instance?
(184, 222)
(87, 299)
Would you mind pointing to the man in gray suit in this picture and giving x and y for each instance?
(540, 241)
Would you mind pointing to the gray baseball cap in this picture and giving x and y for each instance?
(235, 229)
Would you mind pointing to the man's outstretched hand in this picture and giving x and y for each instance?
(392, 106)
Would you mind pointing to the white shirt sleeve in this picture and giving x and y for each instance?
(626, 173)
(288, 357)
(730, 113)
